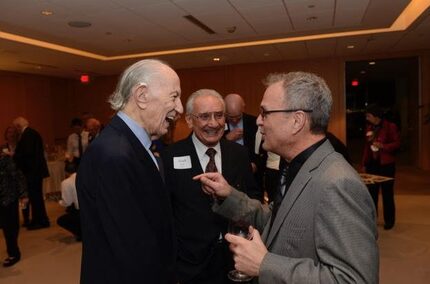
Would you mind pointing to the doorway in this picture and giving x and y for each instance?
(393, 85)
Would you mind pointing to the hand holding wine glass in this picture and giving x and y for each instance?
(239, 227)
(248, 253)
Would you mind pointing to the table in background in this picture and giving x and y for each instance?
(373, 179)
(52, 184)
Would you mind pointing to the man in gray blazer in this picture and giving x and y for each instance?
(322, 226)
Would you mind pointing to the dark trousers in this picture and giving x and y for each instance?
(37, 204)
(271, 179)
(71, 221)
(387, 189)
(10, 220)
(216, 269)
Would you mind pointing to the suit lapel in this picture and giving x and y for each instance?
(227, 163)
(296, 188)
(140, 150)
(191, 150)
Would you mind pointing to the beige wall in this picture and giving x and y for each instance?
(50, 103)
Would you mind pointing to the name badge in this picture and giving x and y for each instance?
(181, 163)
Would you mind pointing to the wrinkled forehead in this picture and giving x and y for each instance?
(274, 95)
(208, 103)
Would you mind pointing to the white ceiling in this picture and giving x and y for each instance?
(121, 27)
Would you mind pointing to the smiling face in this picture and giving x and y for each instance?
(208, 132)
(162, 102)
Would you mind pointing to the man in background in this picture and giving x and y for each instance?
(74, 146)
(203, 255)
(30, 159)
(241, 128)
(126, 216)
(92, 130)
(70, 221)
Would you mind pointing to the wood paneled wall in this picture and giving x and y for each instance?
(50, 103)
(42, 100)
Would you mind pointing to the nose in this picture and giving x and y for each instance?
(259, 120)
(179, 108)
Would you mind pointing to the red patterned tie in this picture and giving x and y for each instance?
(211, 166)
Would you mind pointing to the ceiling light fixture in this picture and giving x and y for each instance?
(47, 13)
(79, 24)
(372, 62)
(408, 16)
(216, 59)
(311, 19)
(350, 46)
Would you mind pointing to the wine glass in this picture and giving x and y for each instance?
(239, 227)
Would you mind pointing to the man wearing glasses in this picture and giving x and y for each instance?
(203, 255)
(321, 227)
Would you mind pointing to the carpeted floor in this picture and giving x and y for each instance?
(52, 256)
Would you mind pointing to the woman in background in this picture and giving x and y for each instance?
(379, 158)
(11, 135)
(12, 187)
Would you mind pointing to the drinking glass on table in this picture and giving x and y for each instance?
(239, 227)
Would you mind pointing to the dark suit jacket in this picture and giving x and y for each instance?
(30, 155)
(127, 223)
(249, 130)
(197, 227)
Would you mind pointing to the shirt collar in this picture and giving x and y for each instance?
(138, 130)
(201, 148)
(301, 158)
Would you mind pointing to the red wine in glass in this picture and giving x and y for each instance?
(239, 228)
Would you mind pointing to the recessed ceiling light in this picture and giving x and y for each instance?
(350, 46)
(79, 24)
(47, 13)
(311, 19)
(362, 72)
(216, 59)
(372, 62)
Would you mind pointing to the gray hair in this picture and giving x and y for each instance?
(304, 90)
(142, 71)
(202, 92)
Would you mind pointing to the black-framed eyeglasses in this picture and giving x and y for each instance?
(206, 116)
(264, 113)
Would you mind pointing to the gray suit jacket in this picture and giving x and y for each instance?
(325, 230)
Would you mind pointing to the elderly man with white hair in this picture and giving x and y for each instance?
(126, 218)
(30, 159)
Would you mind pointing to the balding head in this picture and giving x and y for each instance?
(235, 106)
(93, 126)
(20, 123)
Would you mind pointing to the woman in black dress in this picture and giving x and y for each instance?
(12, 188)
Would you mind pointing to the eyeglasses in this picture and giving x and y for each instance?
(264, 113)
(206, 116)
(239, 116)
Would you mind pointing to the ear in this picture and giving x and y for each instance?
(189, 121)
(300, 119)
(141, 95)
